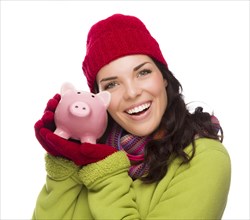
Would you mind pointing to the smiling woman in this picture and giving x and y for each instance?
(206, 46)
(138, 90)
(154, 160)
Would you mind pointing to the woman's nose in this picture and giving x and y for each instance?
(132, 90)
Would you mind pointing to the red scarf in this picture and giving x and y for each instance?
(133, 146)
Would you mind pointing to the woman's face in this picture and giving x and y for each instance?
(138, 93)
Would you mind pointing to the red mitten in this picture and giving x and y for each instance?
(81, 153)
(47, 124)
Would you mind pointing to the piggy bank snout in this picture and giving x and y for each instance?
(80, 109)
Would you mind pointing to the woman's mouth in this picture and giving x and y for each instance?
(139, 109)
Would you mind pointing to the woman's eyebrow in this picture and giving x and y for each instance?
(115, 77)
(108, 78)
(139, 66)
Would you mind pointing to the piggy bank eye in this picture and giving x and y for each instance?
(92, 96)
(78, 92)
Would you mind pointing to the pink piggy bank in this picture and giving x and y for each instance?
(81, 115)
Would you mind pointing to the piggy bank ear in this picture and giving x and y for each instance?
(105, 96)
(66, 87)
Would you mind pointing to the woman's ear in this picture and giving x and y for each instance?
(165, 83)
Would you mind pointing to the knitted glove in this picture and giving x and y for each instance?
(47, 123)
(81, 153)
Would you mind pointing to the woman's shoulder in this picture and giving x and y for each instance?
(207, 146)
(209, 167)
(211, 159)
(211, 156)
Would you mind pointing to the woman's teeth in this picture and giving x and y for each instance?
(138, 109)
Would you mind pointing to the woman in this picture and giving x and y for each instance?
(156, 160)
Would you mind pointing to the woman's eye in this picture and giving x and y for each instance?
(110, 85)
(144, 72)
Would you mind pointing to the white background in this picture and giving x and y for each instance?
(206, 44)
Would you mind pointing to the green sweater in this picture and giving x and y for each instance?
(104, 190)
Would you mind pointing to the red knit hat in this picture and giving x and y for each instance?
(116, 36)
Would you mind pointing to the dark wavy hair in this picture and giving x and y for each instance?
(177, 130)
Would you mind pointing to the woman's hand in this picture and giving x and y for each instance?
(47, 125)
(81, 153)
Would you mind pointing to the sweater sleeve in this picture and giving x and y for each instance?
(197, 190)
(109, 188)
(63, 196)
